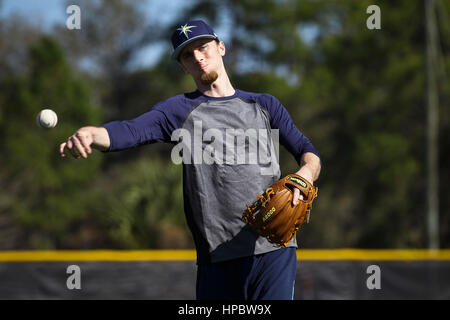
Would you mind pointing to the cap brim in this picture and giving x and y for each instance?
(177, 52)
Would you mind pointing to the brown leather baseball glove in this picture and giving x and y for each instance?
(273, 214)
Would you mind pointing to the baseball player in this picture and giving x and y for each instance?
(234, 261)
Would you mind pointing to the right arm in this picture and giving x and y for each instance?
(83, 140)
(152, 126)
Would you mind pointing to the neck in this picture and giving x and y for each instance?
(220, 88)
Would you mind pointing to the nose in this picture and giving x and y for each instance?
(198, 56)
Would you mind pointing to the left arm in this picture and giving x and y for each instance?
(294, 141)
(310, 170)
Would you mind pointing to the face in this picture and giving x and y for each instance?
(202, 56)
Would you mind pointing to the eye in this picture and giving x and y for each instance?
(186, 55)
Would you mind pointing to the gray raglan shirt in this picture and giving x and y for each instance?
(228, 147)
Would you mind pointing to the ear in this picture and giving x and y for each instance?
(221, 47)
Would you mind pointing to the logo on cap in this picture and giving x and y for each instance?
(185, 29)
(188, 32)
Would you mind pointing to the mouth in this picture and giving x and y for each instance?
(203, 66)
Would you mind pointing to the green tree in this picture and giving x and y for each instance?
(44, 194)
(143, 208)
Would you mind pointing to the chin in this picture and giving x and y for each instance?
(209, 77)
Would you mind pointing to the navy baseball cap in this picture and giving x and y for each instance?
(189, 32)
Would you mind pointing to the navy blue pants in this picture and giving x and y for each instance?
(268, 276)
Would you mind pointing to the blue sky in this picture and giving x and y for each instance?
(44, 14)
(50, 12)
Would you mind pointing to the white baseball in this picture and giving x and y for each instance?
(47, 118)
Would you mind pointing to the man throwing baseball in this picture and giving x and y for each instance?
(234, 261)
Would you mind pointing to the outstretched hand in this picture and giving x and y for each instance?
(78, 145)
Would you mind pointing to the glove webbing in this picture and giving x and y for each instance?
(256, 206)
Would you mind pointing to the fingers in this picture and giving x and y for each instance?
(65, 146)
(78, 145)
(70, 147)
(84, 142)
(297, 196)
(62, 146)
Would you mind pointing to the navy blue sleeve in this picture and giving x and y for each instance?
(152, 126)
(290, 136)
